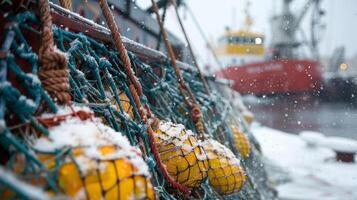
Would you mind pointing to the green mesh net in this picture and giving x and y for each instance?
(97, 80)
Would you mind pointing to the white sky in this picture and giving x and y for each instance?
(215, 15)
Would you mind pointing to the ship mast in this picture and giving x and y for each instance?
(284, 27)
(248, 22)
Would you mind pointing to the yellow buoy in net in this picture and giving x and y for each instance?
(108, 179)
(241, 142)
(102, 164)
(225, 174)
(123, 98)
(248, 116)
(181, 153)
(125, 102)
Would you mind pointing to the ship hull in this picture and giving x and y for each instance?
(275, 77)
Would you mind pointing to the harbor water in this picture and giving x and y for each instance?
(296, 114)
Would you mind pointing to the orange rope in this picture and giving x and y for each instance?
(136, 91)
(204, 82)
(67, 4)
(119, 45)
(57, 119)
(196, 114)
(53, 71)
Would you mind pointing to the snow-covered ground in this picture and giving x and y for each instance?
(312, 172)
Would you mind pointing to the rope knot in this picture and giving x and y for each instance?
(196, 113)
(197, 119)
(83, 115)
(154, 123)
(54, 75)
(57, 119)
(53, 72)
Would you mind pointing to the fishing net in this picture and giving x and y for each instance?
(182, 154)
(241, 142)
(225, 173)
(257, 185)
(48, 152)
(97, 81)
(248, 116)
(99, 164)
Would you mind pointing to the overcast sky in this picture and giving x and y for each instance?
(215, 15)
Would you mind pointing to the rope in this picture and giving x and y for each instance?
(195, 110)
(123, 55)
(205, 85)
(136, 91)
(56, 120)
(119, 44)
(86, 90)
(67, 4)
(53, 72)
(163, 17)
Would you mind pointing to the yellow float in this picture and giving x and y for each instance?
(248, 116)
(241, 142)
(103, 165)
(125, 102)
(225, 174)
(182, 154)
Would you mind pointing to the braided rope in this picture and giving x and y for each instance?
(53, 72)
(191, 100)
(204, 82)
(56, 120)
(123, 55)
(163, 17)
(136, 91)
(164, 91)
(67, 4)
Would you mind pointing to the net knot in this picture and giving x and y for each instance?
(154, 123)
(196, 113)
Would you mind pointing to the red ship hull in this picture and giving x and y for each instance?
(275, 77)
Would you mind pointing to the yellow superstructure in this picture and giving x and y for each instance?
(243, 46)
(240, 47)
(241, 43)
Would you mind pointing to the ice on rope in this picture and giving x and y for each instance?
(28, 190)
(90, 135)
(313, 172)
(66, 110)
